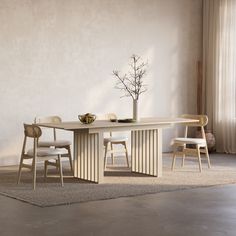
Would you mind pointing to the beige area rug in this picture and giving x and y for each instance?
(119, 182)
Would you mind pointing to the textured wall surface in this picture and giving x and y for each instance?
(57, 56)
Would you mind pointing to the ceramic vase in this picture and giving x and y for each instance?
(135, 110)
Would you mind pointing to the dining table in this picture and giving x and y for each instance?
(146, 144)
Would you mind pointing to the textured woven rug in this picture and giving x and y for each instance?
(119, 182)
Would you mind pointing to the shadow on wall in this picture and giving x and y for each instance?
(104, 98)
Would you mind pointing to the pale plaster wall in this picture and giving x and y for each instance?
(57, 56)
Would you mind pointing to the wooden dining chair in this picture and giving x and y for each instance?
(37, 154)
(56, 143)
(122, 140)
(192, 146)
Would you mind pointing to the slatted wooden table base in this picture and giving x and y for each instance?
(146, 152)
(88, 153)
(146, 145)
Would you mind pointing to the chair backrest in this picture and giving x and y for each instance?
(203, 120)
(32, 131)
(48, 119)
(109, 116)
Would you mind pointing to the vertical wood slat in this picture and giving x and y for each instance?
(88, 156)
(84, 155)
(140, 151)
(136, 152)
(146, 152)
(95, 159)
(100, 157)
(151, 151)
(155, 156)
(133, 151)
(81, 156)
(159, 153)
(143, 151)
(75, 155)
(78, 155)
(92, 157)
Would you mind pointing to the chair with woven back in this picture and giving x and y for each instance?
(192, 146)
(38, 154)
(56, 143)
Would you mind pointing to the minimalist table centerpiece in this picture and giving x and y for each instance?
(132, 83)
(87, 118)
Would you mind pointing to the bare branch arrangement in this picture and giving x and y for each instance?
(132, 83)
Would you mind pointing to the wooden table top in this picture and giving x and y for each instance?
(106, 124)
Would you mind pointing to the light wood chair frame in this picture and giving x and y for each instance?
(200, 148)
(112, 151)
(33, 131)
(55, 119)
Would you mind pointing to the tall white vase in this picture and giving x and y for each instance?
(135, 110)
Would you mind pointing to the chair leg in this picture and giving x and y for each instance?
(70, 158)
(105, 156)
(112, 155)
(183, 159)
(208, 158)
(20, 169)
(126, 154)
(34, 174)
(45, 170)
(57, 164)
(60, 170)
(173, 160)
(199, 158)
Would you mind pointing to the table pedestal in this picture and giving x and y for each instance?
(88, 156)
(146, 152)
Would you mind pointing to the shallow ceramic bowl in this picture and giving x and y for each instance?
(87, 118)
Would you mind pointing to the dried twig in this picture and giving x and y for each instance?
(132, 84)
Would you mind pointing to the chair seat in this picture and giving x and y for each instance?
(56, 143)
(199, 141)
(43, 152)
(115, 139)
